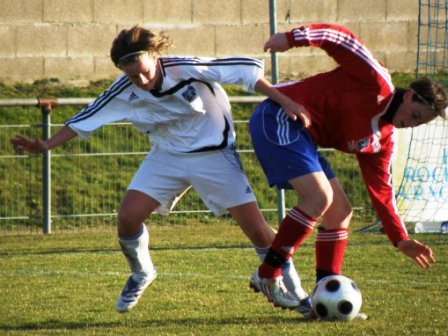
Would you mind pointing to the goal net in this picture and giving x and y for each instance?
(422, 188)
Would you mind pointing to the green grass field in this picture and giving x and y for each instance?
(67, 284)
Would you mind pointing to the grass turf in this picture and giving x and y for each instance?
(67, 284)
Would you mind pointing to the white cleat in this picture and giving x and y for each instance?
(305, 306)
(132, 292)
(293, 285)
(275, 291)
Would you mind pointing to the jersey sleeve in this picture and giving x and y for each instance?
(242, 71)
(105, 109)
(375, 169)
(344, 47)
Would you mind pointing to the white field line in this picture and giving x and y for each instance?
(28, 272)
(49, 273)
(44, 273)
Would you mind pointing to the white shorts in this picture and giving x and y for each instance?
(217, 176)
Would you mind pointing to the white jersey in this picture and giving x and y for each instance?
(191, 111)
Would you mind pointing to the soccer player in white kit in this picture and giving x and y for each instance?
(180, 103)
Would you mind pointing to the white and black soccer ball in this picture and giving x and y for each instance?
(336, 297)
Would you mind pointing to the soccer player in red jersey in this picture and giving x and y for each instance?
(354, 109)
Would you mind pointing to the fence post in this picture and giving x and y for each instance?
(46, 107)
(274, 78)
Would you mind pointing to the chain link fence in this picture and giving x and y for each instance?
(79, 186)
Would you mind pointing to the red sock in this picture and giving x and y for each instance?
(330, 249)
(295, 227)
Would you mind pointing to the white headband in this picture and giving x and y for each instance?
(425, 101)
(121, 59)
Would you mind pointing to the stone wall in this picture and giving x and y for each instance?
(70, 40)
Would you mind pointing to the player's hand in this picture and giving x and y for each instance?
(421, 253)
(277, 42)
(296, 111)
(34, 146)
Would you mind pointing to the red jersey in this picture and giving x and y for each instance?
(346, 105)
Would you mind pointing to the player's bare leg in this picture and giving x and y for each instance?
(251, 221)
(253, 224)
(134, 242)
(335, 221)
(298, 224)
(339, 214)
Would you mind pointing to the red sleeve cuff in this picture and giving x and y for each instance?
(397, 240)
(290, 38)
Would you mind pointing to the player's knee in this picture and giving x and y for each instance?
(322, 201)
(338, 216)
(344, 215)
(125, 218)
(128, 224)
(348, 213)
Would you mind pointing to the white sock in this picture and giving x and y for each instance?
(291, 278)
(136, 251)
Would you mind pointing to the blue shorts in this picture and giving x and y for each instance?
(284, 148)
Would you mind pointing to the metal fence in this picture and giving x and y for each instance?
(79, 186)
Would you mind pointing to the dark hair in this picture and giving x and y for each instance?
(138, 39)
(430, 93)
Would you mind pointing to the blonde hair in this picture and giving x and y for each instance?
(138, 39)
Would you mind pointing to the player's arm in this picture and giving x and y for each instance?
(291, 108)
(105, 109)
(249, 74)
(375, 169)
(241, 71)
(339, 43)
(278, 43)
(38, 146)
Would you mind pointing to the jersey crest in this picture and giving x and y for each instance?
(189, 94)
(358, 145)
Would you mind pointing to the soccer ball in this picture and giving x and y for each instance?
(336, 297)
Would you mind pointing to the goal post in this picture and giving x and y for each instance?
(421, 166)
